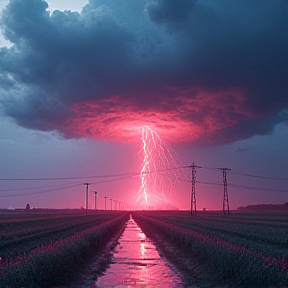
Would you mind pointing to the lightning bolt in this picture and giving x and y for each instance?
(159, 172)
(145, 167)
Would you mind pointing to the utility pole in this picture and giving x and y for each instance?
(105, 202)
(225, 196)
(95, 199)
(193, 191)
(87, 184)
(111, 204)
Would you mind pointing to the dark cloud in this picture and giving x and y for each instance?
(208, 71)
(243, 149)
(246, 129)
(169, 11)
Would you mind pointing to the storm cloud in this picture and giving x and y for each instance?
(198, 71)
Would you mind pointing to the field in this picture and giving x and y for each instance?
(43, 248)
(240, 250)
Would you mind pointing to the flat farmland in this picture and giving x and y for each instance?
(22, 232)
(242, 249)
(42, 246)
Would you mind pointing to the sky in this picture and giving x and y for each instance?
(96, 91)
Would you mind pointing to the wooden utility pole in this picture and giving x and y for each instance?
(87, 184)
(95, 199)
(105, 202)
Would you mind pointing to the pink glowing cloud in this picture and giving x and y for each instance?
(178, 119)
(194, 71)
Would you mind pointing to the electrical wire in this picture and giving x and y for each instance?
(39, 192)
(258, 188)
(127, 176)
(34, 188)
(209, 183)
(133, 174)
(53, 190)
(113, 180)
(258, 176)
(66, 178)
(243, 174)
(235, 186)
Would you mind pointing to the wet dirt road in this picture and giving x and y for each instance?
(136, 263)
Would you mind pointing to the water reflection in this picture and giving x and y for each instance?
(136, 262)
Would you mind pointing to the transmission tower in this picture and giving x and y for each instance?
(225, 196)
(193, 194)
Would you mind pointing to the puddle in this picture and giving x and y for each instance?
(137, 263)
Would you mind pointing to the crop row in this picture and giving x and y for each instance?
(24, 236)
(10, 230)
(11, 216)
(263, 233)
(53, 263)
(234, 263)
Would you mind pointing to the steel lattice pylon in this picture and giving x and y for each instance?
(225, 195)
(193, 194)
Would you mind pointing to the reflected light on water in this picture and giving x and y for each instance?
(142, 237)
(142, 249)
(137, 263)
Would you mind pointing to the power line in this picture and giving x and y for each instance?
(209, 183)
(204, 167)
(134, 174)
(53, 190)
(131, 175)
(113, 180)
(34, 188)
(88, 177)
(64, 178)
(247, 175)
(40, 192)
(240, 186)
(236, 186)
(61, 185)
(258, 176)
(258, 188)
